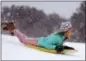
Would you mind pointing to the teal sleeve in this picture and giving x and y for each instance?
(42, 42)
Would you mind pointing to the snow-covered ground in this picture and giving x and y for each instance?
(12, 49)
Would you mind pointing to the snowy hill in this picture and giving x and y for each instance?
(12, 49)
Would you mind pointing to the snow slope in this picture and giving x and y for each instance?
(12, 49)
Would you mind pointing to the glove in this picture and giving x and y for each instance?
(67, 47)
(59, 49)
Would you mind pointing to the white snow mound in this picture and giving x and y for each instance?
(12, 49)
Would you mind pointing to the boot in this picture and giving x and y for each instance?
(9, 26)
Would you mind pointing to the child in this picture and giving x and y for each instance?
(52, 41)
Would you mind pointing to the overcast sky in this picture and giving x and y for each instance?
(64, 9)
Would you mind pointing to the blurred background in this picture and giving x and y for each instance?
(42, 18)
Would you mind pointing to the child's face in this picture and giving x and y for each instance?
(68, 33)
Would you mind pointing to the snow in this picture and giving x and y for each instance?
(12, 49)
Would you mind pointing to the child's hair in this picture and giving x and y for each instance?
(67, 35)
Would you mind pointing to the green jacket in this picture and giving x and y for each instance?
(51, 41)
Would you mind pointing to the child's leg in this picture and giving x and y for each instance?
(24, 39)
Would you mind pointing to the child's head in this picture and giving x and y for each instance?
(66, 27)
